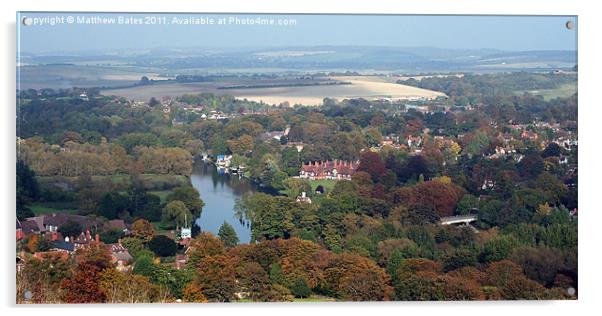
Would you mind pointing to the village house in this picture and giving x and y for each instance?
(223, 161)
(414, 141)
(277, 135)
(530, 135)
(120, 256)
(303, 198)
(48, 225)
(331, 170)
(298, 145)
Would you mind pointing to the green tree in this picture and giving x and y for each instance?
(71, 229)
(176, 213)
(300, 289)
(162, 246)
(191, 198)
(228, 235)
(112, 204)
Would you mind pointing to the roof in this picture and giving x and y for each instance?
(342, 167)
(60, 219)
(61, 244)
(28, 226)
(117, 224)
(122, 256)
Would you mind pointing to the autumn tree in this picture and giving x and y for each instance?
(371, 163)
(143, 230)
(204, 245)
(356, 278)
(216, 278)
(85, 285)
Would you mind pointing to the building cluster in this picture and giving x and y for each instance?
(328, 170)
(49, 227)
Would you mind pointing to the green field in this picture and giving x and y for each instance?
(327, 184)
(160, 229)
(152, 182)
(43, 208)
(563, 91)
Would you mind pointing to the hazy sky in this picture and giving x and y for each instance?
(498, 32)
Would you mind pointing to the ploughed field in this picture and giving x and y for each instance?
(276, 91)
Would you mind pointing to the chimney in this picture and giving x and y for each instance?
(97, 238)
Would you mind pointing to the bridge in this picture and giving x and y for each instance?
(459, 219)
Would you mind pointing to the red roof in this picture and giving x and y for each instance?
(327, 167)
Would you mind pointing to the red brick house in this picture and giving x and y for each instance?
(331, 170)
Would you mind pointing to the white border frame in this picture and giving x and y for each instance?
(589, 114)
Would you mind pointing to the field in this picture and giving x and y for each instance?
(68, 76)
(563, 91)
(328, 185)
(49, 208)
(369, 87)
(153, 182)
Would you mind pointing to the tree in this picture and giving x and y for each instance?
(295, 186)
(530, 166)
(28, 190)
(216, 278)
(145, 205)
(271, 216)
(498, 249)
(300, 289)
(176, 212)
(371, 163)
(355, 278)
(228, 235)
(71, 229)
(204, 245)
(254, 280)
(552, 150)
(193, 294)
(153, 102)
(43, 278)
(27, 185)
(112, 204)
(144, 265)
(85, 285)
(191, 198)
(162, 246)
(143, 230)
(122, 287)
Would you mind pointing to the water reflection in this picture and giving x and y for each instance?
(220, 192)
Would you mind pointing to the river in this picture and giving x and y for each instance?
(220, 192)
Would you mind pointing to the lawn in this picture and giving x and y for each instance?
(42, 208)
(562, 91)
(327, 184)
(152, 182)
(161, 194)
(160, 229)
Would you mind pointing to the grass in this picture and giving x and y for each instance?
(152, 182)
(562, 91)
(41, 209)
(160, 229)
(161, 194)
(327, 184)
(314, 298)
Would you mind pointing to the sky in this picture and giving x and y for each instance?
(513, 33)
